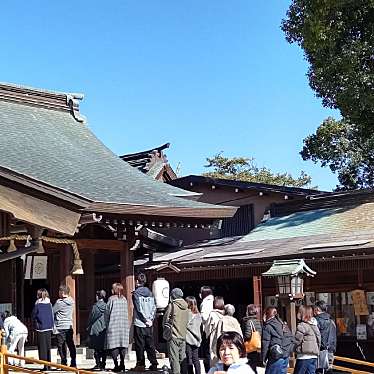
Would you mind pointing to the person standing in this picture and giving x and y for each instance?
(273, 343)
(117, 326)
(193, 337)
(42, 318)
(144, 314)
(327, 329)
(308, 342)
(206, 295)
(230, 323)
(63, 318)
(214, 327)
(250, 323)
(97, 330)
(16, 335)
(176, 314)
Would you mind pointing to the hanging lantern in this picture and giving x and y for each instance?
(161, 290)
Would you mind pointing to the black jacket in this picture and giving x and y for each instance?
(247, 326)
(327, 329)
(96, 321)
(272, 333)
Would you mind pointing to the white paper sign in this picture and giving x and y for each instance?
(271, 301)
(370, 298)
(349, 298)
(36, 267)
(310, 298)
(361, 332)
(324, 296)
(5, 307)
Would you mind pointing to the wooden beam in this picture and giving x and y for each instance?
(127, 268)
(68, 280)
(97, 244)
(257, 295)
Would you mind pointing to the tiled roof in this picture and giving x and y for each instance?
(42, 137)
(189, 181)
(302, 234)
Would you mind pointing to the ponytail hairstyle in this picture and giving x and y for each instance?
(118, 289)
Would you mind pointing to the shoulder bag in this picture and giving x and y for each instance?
(253, 344)
(167, 332)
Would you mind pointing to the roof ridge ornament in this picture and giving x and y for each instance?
(72, 100)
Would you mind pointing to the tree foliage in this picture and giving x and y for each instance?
(245, 169)
(337, 37)
(339, 145)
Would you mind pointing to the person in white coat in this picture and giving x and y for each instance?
(206, 306)
(232, 355)
(16, 336)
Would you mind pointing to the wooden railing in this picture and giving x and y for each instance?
(351, 361)
(5, 366)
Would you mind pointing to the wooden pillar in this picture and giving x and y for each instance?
(127, 274)
(69, 280)
(257, 295)
(89, 275)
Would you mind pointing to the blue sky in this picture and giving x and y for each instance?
(206, 76)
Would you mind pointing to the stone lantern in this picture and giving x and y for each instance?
(290, 280)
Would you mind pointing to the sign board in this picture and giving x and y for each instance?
(359, 303)
(36, 267)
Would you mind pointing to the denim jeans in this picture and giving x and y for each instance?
(306, 366)
(277, 367)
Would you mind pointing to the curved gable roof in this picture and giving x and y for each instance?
(44, 138)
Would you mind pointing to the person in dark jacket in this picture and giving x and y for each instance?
(42, 318)
(177, 313)
(144, 314)
(249, 323)
(272, 336)
(97, 330)
(327, 329)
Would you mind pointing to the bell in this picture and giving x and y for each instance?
(77, 268)
(39, 247)
(12, 247)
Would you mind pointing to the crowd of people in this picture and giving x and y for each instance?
(210, 333)
(229, 346)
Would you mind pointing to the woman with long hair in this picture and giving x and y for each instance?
(275, 343)
(251, 323)
(231, 353)
(308, 342)
(117, 326)
(193, 337)
(42, 318)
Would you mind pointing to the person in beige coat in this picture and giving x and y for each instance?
(230, 323)
(308, 342)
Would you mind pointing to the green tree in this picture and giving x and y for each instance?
(245, 169)
(337, 37)
(339, 145)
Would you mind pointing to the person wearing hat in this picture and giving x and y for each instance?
(176, 318)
